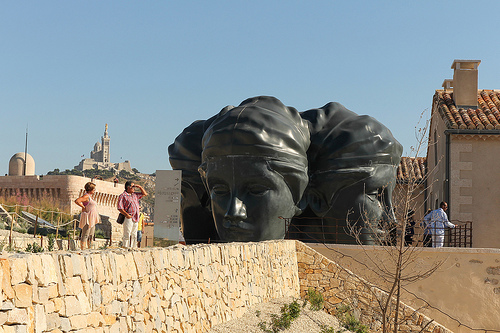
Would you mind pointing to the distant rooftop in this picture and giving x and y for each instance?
(411, 170)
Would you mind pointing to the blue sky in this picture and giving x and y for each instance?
(150, 68)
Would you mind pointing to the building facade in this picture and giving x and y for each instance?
(464, 153)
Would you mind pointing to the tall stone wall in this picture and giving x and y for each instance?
(174, 289)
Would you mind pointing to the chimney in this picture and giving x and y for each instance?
(447, 84)
(465, 83)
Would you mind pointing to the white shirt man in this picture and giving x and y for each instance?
(436, 221)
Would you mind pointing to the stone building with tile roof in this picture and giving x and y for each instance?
(410, 183)
(410, 191)
(464, 153)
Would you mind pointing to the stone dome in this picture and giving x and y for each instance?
(16, 165)
(97, 147)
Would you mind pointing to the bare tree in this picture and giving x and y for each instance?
(400, 267)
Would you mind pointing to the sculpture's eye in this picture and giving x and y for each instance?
(220, 189)
(257, 189)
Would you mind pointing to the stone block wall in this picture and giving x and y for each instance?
(174, 289)
(340, 286)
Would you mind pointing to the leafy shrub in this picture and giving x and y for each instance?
(99, 233)
(315, 298)
(349, 321)
(326, 329)
(34, 248)
(289, 312)
(20, 229)
(51, 243)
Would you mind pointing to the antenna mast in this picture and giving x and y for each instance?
(25, 151)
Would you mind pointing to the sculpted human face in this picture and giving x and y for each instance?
(248, 199)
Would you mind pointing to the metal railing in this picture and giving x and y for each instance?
(327, 230)
(461, 235)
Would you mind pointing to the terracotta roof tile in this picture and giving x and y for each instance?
(486, 116)
(411, 169)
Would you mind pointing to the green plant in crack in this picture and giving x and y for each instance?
(34, 248)
(349, 321)
(315, 298)
(289, 312)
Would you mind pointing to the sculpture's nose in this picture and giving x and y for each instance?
(237, 210)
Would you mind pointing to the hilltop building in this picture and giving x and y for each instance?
(100, 157)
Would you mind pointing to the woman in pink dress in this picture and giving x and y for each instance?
(89, 217)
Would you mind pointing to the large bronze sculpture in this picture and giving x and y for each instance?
(352, 168)
(251, 168)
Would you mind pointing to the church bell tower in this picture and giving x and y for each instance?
(105, 145)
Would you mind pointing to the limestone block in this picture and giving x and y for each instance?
(20, 328)
(84, 302)
(17, 316)
(43, 294)
(7, 305)
(113, 267)
(136, 289)
(59, 306)
(150, 264)
(158, 257)
(40, 319)
(96, 297)
(123, 325)
(149, 327)
(3, 317)
(131, 266)
(140, 263)
(65, 325)
(53, 321)
(24, 295)
(109, 319)
(48, 271)
(6, 284)
(153, 306)
(121, 266)
(78, 322)
(95, 319)
(98, 268)
(66, 264)
(8, 329)
(116, 307)
(157, 324)
(108, 293)
(72, 306)
(88, 271)
(73, 285)
(59, 284)
(123, 293)
(49, 307)
(140, 327)
(78, 264)
(18, 270)
(130, 324)
(115, 328)
(177, 257)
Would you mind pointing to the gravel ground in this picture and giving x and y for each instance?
(308, 322)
